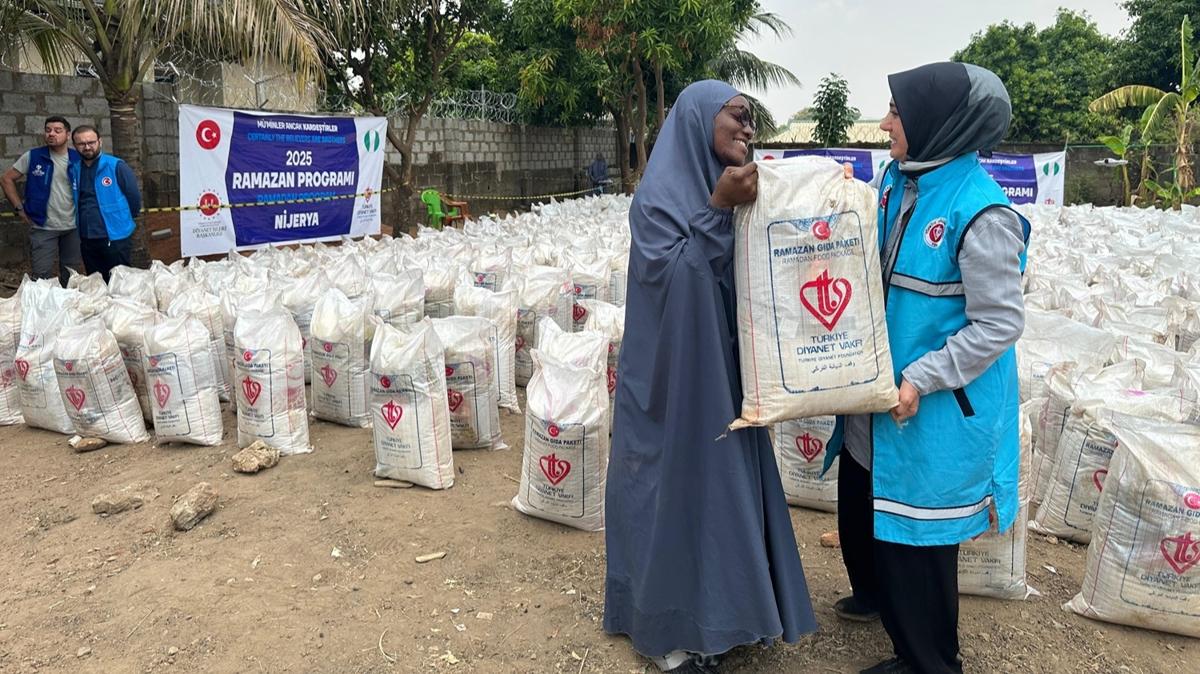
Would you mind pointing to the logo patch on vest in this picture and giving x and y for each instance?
(935, 232)
(883, 198)
(106, 181)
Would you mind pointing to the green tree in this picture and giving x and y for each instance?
(832, 110)
(1163, 106)
(557, 83)
(123, 40)
(1051, 75)
(399, 56)
(1150, 51)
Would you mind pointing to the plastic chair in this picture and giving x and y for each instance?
(441, 211)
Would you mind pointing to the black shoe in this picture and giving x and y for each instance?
(851, 608)
(889, 666)
(692, 666)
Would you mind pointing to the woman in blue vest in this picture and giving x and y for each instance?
(942, 465)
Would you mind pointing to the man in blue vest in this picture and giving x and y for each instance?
(941, 468)
(47, 203)
(108, 200)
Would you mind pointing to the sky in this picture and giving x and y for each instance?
(865, 40)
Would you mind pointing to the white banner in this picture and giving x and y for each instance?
(257, 178)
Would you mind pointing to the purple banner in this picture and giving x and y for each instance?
(1016, 175)
(287, 157)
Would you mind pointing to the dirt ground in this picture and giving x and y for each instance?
(258, 586)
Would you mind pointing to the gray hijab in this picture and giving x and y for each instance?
(948, 110)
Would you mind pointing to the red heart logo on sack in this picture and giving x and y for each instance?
(1181, 552)
(1098, 478)
(251, 389)
(392, 413)
(554, 468)
(830, 298)
(162, 393)
(76, 396)
(455, 399)
(328, 375)
(579, 313)
(520, 342)
(809, 446)
(612, 380)
(22, 367)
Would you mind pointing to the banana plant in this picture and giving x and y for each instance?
(1162, 104)
(1121, 145)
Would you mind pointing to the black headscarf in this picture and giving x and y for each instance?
(948, 110)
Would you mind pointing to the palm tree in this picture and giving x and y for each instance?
(743, 69)
(122, 40)
(1163, 103)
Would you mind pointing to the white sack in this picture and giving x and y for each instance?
(184, 379)
(10, 334)
(501, 310)
(128, 320)
(800, 446)
(270, 381)
(814, 228)
(94, 384)
(45, 311)
(408, 399)
(1143, 567)
(565, 461)
(338, 350)
(471, 393)
(545, 292)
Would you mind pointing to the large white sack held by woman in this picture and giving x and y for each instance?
(95, 386)
(10, 332)
(184, 380)
(993, 564)
(800, 446)
(1143, 566)
(206, 308)
(408, 400)
(399, 297)
(608, 320)
(338, 350)
(811, 322)
(128, 321)
(501, 309)
(545, 292)
(1085, 448)
(565, 460)
(270, 381)
(45, 310)
(471, 393)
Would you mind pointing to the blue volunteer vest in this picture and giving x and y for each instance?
(114, 208)
(38, 179)
(934, 480)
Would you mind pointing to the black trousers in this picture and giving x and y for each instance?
(101, 255)
(915, 588)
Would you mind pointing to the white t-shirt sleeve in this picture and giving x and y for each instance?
(22, 163)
